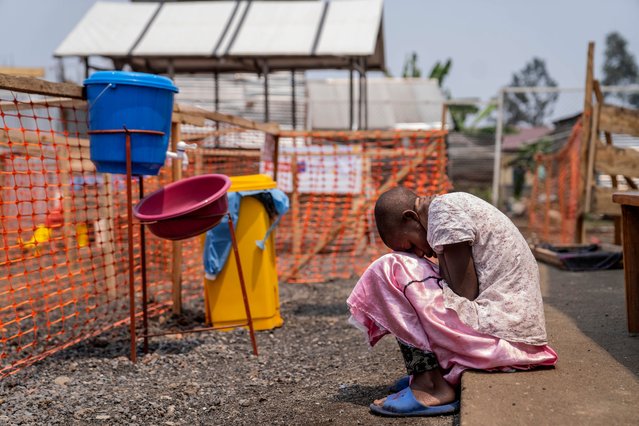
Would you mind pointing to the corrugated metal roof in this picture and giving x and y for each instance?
(231, 35)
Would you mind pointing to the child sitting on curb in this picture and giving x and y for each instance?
(479, 307)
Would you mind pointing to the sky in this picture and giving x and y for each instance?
(487, 40)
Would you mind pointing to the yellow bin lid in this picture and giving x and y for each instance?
(251, 183)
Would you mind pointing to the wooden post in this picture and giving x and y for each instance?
(444, 114)
(295, 211)
(580, 231)
(592, 148)
(176, 267)
(599, 97)
(356, 211)
(613, 177)
(199, 162)
(104, 231)
(367, 192)
(630, 217)
(66, 187)
(276, 155)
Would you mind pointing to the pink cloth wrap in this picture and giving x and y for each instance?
(396, 296)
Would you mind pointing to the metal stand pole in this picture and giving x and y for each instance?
(129, 217)
(241, 276)
(145, 306)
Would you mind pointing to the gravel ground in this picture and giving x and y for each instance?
(316, 369)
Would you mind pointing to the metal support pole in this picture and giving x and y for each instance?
(365, 95)
(351, 98)
(145, 307)
(242, 284)
(293, 101)
(360, 110)
(266, 109)
(86, 67)
(361, 95)
(216, 92)
(129, 217)
(498, 138)
(129, 214)
(171, 69)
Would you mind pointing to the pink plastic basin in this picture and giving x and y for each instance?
(185, 208)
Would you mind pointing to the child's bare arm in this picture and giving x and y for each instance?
(458, 269)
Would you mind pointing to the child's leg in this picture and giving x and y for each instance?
(416, 360)
(428, 384)
(397, 295)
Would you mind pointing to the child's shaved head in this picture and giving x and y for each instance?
(389, 210)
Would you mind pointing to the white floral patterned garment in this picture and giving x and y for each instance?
(509, 303)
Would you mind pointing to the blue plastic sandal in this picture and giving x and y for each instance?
(401, 384)
(404, 404)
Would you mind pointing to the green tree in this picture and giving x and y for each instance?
(524, 161)
(619, 67)
(458, 113)
(411, 69)
(440, 71)
(532, 107)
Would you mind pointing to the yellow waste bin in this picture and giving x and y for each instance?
(223, 294)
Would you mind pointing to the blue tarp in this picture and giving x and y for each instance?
(218, 240)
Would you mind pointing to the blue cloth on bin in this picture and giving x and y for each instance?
(217, 246)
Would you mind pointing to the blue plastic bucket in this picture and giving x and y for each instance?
(135, 101)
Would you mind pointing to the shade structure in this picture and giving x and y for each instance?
(231, 36)
(393, 103)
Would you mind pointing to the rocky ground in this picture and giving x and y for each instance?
(316, 369)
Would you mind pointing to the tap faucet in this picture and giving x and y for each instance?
(180, 153)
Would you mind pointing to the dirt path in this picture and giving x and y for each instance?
(316, 369)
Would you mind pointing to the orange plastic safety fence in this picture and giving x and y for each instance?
(555, 194)
(333, 182)
(64, 259)
(63, 265)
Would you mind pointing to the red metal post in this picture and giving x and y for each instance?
(242, 285)
(129, 217)
(145, 306)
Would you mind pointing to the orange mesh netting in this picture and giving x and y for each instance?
(554, 202)
(333, 180)
(64, 276)
(63, 270)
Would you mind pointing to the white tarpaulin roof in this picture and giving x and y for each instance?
(393, 103)
(231, 35)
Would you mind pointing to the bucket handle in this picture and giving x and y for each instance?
(108, 86)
